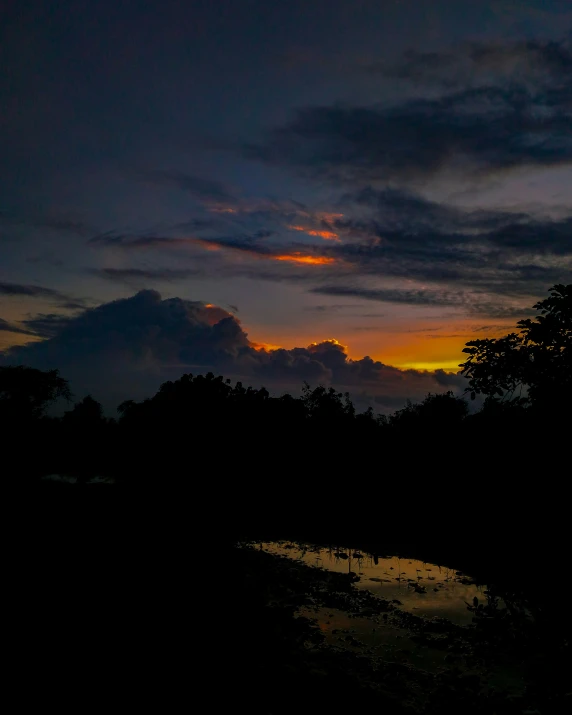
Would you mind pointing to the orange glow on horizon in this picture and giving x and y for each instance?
(413, 348)
(304, 259)
(447, 365)
(265, 346)
(327, 235)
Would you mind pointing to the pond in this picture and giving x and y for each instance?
(425, 589)
(425, 629)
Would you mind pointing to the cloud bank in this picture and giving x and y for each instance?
(126, 348)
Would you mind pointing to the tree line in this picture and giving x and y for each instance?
(205, 424)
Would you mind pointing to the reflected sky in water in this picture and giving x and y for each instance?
(425, 589)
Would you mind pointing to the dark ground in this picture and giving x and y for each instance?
(118, 602)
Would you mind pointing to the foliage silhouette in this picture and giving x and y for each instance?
(537, 359)
(436, 412)
(26, 393)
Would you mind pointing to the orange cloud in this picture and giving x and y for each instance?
(328, 217)
(268, 347)
(304, 259)
(327, 235)
(295, 257)
(331, 341)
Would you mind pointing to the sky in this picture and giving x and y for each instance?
(343, 192)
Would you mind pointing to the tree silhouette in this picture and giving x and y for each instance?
(327, 405)
(88, 412)
(437, 411)
(536, 361)
(25, 392)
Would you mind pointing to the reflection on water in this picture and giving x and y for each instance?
(421, 630)
(425, 589)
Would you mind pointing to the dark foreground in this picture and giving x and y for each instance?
(119, 606)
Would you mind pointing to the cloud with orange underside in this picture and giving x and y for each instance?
(326, 235)
(267, 347)
(304, 259)
(298, 257)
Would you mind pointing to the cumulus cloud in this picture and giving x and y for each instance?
(126, 348)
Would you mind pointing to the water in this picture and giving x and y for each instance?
(425, 589)
(437, 594)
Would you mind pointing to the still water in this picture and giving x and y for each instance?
(425, 589)
(438, 639)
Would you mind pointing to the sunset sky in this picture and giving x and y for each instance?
(348, 178)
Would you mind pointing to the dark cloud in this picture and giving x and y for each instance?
(387, 234)
(479, 130)
(126, 348)
(28, 290)
(35, 291)
(329, 308)
(495, 309)
(128, 241)
(469, 303)
(7, 327)
(531, 61)
(536, 237)
(505, 122)
(199, 186)
(131, 241)
(398, 234)
(402, 210)
(144, 274)
(392, 295)
(194, 224)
